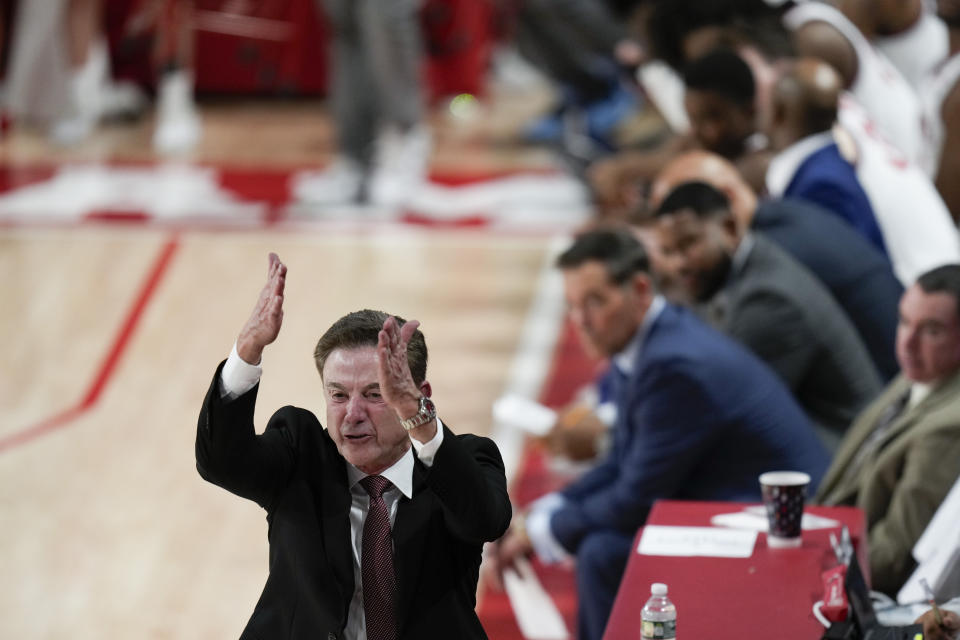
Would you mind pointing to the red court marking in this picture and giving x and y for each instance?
(464, 222)
(107, 367)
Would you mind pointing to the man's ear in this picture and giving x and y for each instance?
(731, 231)
(778, 113)
(641, 284)
(426, 389)
(729, 223)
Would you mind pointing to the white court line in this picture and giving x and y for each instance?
(538, 340)
(537, 615)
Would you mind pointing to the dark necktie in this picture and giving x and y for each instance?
(376, 564)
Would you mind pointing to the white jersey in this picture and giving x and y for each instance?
(936, 88)
(915, 222)
(878, 86)
(918, 50)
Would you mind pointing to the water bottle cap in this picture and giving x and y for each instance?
(658, 589)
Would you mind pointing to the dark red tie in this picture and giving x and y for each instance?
(376, 564)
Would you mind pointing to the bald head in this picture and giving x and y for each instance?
(805, 101)
(703, 166)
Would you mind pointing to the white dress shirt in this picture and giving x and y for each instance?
(238, 377)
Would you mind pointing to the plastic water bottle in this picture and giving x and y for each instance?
(659, 616)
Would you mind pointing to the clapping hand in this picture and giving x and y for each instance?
(263, 326)
(397, 386)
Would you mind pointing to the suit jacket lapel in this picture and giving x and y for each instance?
(333, 505)
(864, 426)
(409, 534)
(944, 392)
(859, 431)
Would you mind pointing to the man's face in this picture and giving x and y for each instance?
(698, 250)
(719, 124)
(366, 431)
(605, 314)
(928, 336)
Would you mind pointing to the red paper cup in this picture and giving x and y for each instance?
(784, 493)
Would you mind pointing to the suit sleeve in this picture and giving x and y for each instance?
(929, 472)
(469, 480)
(840, 202)
(671, 428)
(601, 475)
(774, 330)
(229, 452)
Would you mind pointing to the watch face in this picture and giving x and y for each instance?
(428, 406)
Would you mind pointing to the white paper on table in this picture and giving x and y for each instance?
(755, 519)
(524, 414)
(537, 615)
(697, 541)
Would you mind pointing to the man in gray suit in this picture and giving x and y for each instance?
(859, 277)
(753, 291)
(902, 455)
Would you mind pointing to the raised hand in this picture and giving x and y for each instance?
(263, 326)
(399, 390)
(396, 382)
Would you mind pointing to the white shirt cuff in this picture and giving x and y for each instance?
(238, 376)
(538, 529)
(427, 451)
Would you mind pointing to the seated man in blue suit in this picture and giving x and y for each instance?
(698, 418)
(809, 164)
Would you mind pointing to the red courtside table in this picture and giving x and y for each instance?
(768, 595)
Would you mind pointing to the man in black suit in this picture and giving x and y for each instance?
(368, 540)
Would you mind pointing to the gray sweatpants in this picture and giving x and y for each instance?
(375, 78)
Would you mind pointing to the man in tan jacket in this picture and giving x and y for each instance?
(902, 454)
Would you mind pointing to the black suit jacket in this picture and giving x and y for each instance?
(294, 471)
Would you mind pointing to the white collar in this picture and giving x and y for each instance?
(625, 359)
(918, 393)
(400, 474)
(742, 253)
(784, 165)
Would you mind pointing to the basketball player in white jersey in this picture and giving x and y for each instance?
(907, 32)
(822, 31)
(915, 222)
(913, 219)
(941, 113)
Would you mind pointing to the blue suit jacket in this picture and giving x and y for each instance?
(827, 179)
(700, 418)
(859, 276)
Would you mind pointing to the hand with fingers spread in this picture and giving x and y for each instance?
(263, 326)
(397, 386)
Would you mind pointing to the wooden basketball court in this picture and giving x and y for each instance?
(119, 303)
